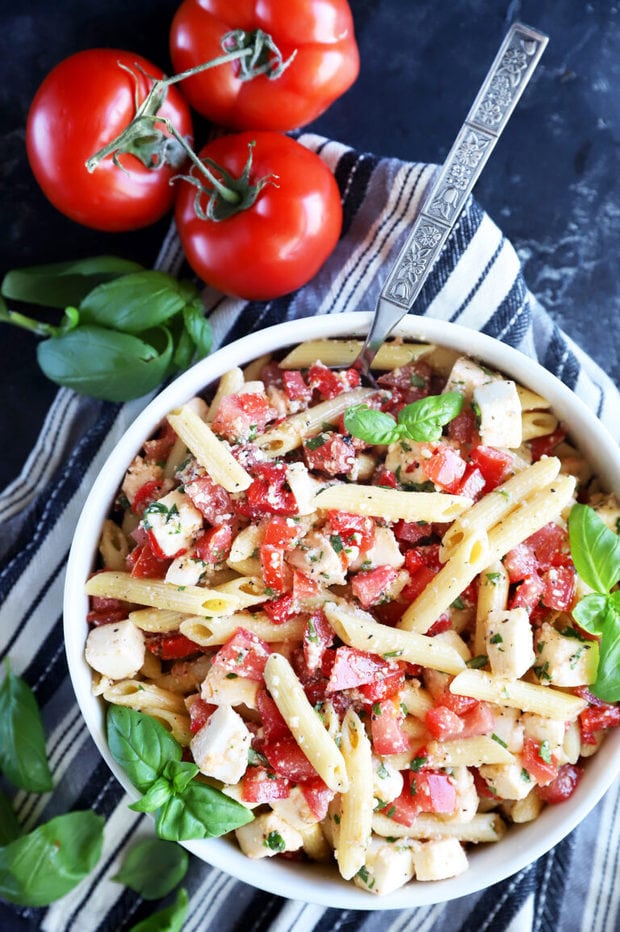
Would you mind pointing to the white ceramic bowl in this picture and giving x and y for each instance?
(315, 883)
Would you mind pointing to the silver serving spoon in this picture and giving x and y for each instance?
(506, 80)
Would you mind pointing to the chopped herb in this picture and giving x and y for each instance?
(312, 635)
(542, 671)
(365, 877)
(544, 752)
(231, 676)
(336, 542)
(569, 632)
(525, 775)
(477, 662)
(392, 653)
(497, 639)
(404, 709)
(499, 740)
(417, 763)
(391, 812)
(315, 442)
(337, 819)
(458, 603)
(413, 788)
(376, 709)
(274, 841)
(381, 804)
(382, 771)
(255, 758)
(576, 657)
(417, 381)
(493, 577)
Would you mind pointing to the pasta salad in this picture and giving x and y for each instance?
(360, 614)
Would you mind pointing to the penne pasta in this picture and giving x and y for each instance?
(484, 827)
(156, 620)
(518, 694)
(356, 805)
(210, 632)
(113, 546)
(231, 382)
(392, 504)
(209, 451)
(167, 707)
(537, 424)
(189, 600)
(468, 752)
(344, 352)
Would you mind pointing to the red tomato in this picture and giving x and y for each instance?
(288, 760)
(542, 770)
(318, 796)
(592, 719)
(172, 646)
(318, 636)
(81, 106)
(269, 493)
(241, 417)
(424, 791)
(278, 243)
(199, 712)
(559, 588)
(358, 530)
(281, 609)
(353, 667)
(371, 586)
(330, 383)
(105, 611)
(260, 785)
(445, 468)
(330, 453)
(563, 786)
(544, 446)
(295, 386)
(494, 465)
(443, 723)
(211, 500)
(214, 545)
(386, 728)
(325, 65)
(142, 562)
(244, 654)
(146, 495)
(274, 726)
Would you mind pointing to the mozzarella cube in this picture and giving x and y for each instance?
(406, 461)
(316, 557)
(173, 522)
(294, 810)
(465, 376)
(466, 795)
(186, 570)
(139, 473)
(440, 859)
(388, 867)
(116, 650)
(267, 835)
(509, 642)
(221, 747)
(500, 414)
(540, 728)
(220, 688)
(383, 552)
(507, 781)
(508, 727)
(303, 486)
(565, 661)
(387, 781)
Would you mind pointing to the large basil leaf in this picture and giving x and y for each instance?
(140, 744)
(60, 284)
(594, 548)
(23, 758)
(10, 829)
(200, 811)
(170, 919)
(135, 303)
(153, 868)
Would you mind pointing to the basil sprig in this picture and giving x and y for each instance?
(183, 807)
(595, 550)
(421, 420)
(153, 867)
(124, 328)
(44, 865)
(23, 758)
(170, 919)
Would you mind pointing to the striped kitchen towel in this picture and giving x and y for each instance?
(476, 282)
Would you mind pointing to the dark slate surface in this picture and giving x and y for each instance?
(552, 185)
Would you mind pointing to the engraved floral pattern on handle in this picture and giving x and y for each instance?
(422, 251)
(504, 85)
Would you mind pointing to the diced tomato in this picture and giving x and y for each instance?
(268, 493)
(329, 453)
(482, 787)
(386, 726)
(478, 721)
(318, 796)
(472, 484)
(408, 382)
(384, 687)
(563, 786)
(304, 587)
(547, 543)
(443, 623)
(594, 718)
(272, 720)
(159, 553)
(356, 530)
(277, 575)
(242, 416)
(281, 609)
(414, 560)
(244, 654)
(295, 386)
(157, 449)
(459, 704)
(104, 611)
(528, 593)
(199, 712)
(411, 532)
(424, 791)
(520, 563)
(282, 532)
(214, 545)
(146, 495)
(353, 667)
(389, 613)
(385, 477)
(558, 588)
(288, 760)
(142, 563)
(371, 586)
(445, 467)
(543, 771)
(329, 383)
(173, 646)
(271, 375)
(544, 446)
(494, 464)
(464, 428)
(211, 500)
(261, 785)
(418, 583)
(318, 636)
(443, 724)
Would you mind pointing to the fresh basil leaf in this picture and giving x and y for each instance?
(607, 685)
(59, 284)
(371, 425)
(590, 612)
(103, 364)
(10, 829)
(594, 548)
(23, 758)
(157, 795)
(134, 303)
(153, 868)
(423, 419)
(180, 774)
(200, 811)
(44, 865)
(198, 327)
(170, 919)
(140, 744)
(184, 349)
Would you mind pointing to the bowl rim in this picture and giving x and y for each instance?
(316, 884)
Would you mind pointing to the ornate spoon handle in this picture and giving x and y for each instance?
(506, 80)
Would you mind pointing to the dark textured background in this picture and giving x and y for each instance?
(553, 183)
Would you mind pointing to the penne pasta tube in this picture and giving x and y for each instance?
(492, 596)
(247, 590)
(253, 370)
(356, 805)
(517, 694)
(210, 452)
(290, 433)
(358, 629)
(485, 826)
(156, 619)
(344, 353)
(468, 752)
(231, 382)
(306, 726)
(210, 632)
(537, 424)
(497, 504)
(531, 401)
(392, 504)
(113, 546)
(189, 600)
(167, 707)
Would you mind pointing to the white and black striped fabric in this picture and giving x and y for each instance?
(477, 282)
